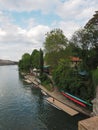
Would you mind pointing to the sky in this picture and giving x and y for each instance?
(24, 23)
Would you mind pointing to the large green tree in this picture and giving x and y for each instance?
(93, 51)
(55, 40)
(81, 42)
(55, 43)
(86, 41)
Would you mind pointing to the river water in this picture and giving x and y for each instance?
(23, 107)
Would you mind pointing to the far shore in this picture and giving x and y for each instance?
(7, 62)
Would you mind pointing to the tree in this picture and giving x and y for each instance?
(55, 40)
(20, 64)
(35, 59)
(92, 26)
(82, 43)
(53, 58)
(24, 63)
(67, 78)
(54, 44)
(41, 62)
(60, 74)
(93, 51)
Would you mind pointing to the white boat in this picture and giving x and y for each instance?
(28, 81)
(43, 92)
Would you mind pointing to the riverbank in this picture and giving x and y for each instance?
(57, 96)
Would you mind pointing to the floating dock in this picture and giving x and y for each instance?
(62, 106)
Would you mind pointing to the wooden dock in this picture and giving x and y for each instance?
(62, 106)
(88, 124)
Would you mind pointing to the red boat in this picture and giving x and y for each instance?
(73, 99)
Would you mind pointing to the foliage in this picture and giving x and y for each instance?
(55, 44)
(44, 78)
(81, 41)
(86, 41)
(93, 36)
(95, 77)
(95, 80)
(46, 82)
(93, 51)
(60, 73)
(35, 59)
(30, 61)
(41, 62)
(55, 40)
(68, 79)
(53, 58)
(24, 63)
(20, 64)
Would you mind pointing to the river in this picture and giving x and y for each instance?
(23, 107)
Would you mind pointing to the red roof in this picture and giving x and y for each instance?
(75, 59)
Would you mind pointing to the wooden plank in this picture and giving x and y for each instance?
(62, 106)
(89, 124)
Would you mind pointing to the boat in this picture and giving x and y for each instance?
(89, 104)
(43, 92)
(27, 81)
(73, 99)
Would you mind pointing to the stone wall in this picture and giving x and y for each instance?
(95, 103)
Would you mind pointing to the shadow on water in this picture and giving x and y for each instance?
(53, 118)
(58, 120)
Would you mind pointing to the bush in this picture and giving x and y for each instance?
(46, 82)
(45, 78)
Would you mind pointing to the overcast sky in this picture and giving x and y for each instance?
(24, 23)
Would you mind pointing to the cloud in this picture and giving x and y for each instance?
(2, 33)
(13, 34)
(38, 33)
(75, 14)
(4, 19)
(68, 27)
(14, 51)
(29, 5)
(15, 40)
(77, 9)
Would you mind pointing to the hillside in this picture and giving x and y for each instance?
(7, 62)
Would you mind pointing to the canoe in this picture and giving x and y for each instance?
(73, 99)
